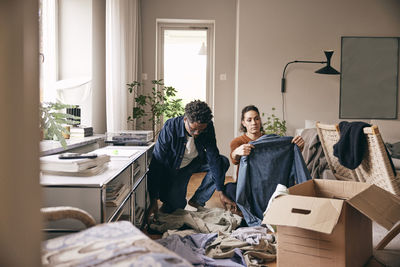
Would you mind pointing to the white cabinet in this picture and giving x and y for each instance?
(90, 193)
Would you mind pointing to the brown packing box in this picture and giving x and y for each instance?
(328, 223)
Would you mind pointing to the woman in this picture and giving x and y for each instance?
(252, 127)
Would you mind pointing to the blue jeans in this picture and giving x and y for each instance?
(174, 195)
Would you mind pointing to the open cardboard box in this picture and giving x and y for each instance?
(328, 223)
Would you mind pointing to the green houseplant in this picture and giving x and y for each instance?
(274, 125)
(53, 121)
(160, 102)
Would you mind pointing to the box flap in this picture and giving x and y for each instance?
(318, 214)
(338, 189)
(379, 205)
(303, 189)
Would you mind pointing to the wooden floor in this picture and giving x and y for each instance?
(195, 182)
(214, 202)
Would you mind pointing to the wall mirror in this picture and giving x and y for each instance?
(369, 78)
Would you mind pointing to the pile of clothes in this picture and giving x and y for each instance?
(213, 237)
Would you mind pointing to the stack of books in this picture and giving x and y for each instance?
(115, 194)
(74, 167)
(81, 131)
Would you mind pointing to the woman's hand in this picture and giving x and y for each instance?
(243, 150)
(298, 140)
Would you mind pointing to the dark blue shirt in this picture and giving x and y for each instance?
(170, 148)
(273, 160)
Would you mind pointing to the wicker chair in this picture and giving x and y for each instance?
(375, 167)
(329, 135)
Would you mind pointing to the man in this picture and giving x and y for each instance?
(186, 145)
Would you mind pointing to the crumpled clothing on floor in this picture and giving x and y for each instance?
(203, 221)
(222, 249)
(255, 255)
(181, 233)
(253, 235)
(192, 248)
(258, 259)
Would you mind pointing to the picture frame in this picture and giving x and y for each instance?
(369, 77)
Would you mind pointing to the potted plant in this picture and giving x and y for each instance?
(161, 102)
(274, 125)
(53, 121)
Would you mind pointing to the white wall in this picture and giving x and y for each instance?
(20, 194)
(275, 32)
(224, 14)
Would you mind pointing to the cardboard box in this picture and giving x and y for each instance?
(328, 223)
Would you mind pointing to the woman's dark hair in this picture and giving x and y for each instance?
(198, 111)
(244, 110)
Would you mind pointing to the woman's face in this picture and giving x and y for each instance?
(252, 122)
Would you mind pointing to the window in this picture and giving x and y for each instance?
(66, 53)
(185, 57)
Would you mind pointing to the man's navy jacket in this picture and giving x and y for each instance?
(170, 148)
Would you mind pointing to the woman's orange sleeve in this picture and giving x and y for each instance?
(234, 144)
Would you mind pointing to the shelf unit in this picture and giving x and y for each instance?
(89, 193)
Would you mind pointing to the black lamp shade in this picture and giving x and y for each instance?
(328, 69)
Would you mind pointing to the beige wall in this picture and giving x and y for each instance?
(224, 14)
(270, 34)
(274, 32)
(20, 220)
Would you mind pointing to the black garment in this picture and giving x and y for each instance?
(352, 144)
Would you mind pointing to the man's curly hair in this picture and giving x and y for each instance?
(198, 111)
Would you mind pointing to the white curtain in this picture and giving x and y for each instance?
(48, 64)
(122, 46)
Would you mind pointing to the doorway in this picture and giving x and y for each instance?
(184, 61)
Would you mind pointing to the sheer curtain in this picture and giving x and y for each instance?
(122, 62)
(48, 64)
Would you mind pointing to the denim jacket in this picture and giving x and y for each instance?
(274, 160)
(170, 148)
